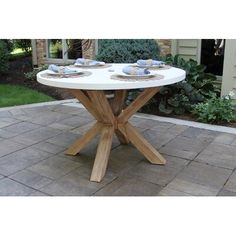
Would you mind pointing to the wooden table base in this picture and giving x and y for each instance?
(112, 118)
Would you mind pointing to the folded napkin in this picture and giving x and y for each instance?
(130, 70)
(149, 62)
(61, 69)
(87, 62)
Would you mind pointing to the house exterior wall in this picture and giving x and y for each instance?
(164, 45)
(229, 69)
(187, 48)
(40, 51)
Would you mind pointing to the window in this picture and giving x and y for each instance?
(63, 50)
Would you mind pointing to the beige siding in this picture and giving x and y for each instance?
(229, 71)
(187, 48)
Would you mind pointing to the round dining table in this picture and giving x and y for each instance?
(112, 114)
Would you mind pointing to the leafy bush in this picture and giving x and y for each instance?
(198, 86)
(216, 110)
(32, 75)
(24, 44)
(9, 44)
(4, 57)
(127, 50)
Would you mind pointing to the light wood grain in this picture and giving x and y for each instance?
(141, 100)
(83, 98)
(103, 152)
(142, 144)
(101, 103)
(84, 140)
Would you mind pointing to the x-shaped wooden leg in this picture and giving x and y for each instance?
(112, 118)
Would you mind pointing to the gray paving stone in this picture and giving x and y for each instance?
(31, 179)
(9, 187)
(172, 192)
(231, 183)
(151, 124)
(177, 129)
(158, 174)
(226, 193)
(8, 146)
(129, 186)
(54, 167)
(204, 174)
(49, 117)
(192, 188)
(191, 132)
(38, 194)
(36, 136)
(220, 155)
(5, 114)
(233, 143)
(162, 126)
(49, 147)
(185, 147)
(6, 134)
(60, 126)
(156, 138)
(21, 127)
(123, 158)
(35, 111)
(76, 121)
(68, 109)
(6, 121)
(64, 139)
(85, 114)
(21, 159)
(225, 138)
(84, 128)
(16, 112)
(77, 183)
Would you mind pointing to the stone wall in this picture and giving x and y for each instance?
(41, 51)
(165, 46)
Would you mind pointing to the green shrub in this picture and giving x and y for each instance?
(198, 86)
(24, 44)
(9, 44)
(4, 57)
(127, 50)
(32, 74)
(216, 110)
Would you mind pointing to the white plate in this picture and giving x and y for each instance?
(71, 73)
(152, 66)
(146, 75)
(83, 65)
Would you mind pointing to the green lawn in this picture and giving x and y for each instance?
(11, 95)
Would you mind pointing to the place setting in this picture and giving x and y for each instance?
(55, 71)
(90, 64)
(151, 64)
(135, 73)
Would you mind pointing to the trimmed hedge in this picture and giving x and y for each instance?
(127, 50)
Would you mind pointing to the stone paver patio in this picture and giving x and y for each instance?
(32, 141)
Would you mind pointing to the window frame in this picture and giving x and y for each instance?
(64, 59)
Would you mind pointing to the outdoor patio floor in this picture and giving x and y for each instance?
(32, 141)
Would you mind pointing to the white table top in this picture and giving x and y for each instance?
(100, 79)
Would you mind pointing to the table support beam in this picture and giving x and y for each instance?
(113, 118)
